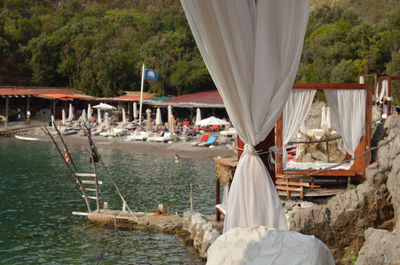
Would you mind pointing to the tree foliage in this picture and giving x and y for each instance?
(99, 46)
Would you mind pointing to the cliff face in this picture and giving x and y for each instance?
(368, 211)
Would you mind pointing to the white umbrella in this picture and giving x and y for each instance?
(170, 119)
(323, 117)
(123, 116)
(52, 122)
(211, 121)
(98, 116)
(198, 115)
(135, 114)
(328, 118)
(158, 117)
(83, 116)
(89, 112)
(63, 117)
(106, 120)
(148, 123)
(70, 113)
(104, 106)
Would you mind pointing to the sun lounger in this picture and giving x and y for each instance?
(203, 139)
(99, 129)
(142, 136)
(165, 138)
(210, 141)
(213, 128)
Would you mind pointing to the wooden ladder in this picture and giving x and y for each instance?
(90, 183)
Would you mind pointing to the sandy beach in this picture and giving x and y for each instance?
(183, 149)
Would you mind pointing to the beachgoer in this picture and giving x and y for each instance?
(177, 158)
(28, 117)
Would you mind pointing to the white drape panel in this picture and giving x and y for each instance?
(384, 91)
(252, 52)
(295, 112)
(348, 113)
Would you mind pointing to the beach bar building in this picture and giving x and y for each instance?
(14, 100)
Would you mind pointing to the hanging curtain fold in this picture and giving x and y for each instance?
(294, 114)
(252, 51)
(348, 113)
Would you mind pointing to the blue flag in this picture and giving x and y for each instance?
(150, 74)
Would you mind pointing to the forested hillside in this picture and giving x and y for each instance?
(99, 46)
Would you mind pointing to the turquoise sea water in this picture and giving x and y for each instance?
(38, 194)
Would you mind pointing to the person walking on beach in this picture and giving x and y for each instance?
(28, 117)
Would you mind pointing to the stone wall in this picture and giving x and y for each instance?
(343, 221)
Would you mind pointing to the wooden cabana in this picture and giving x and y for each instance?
(295, 180)
(378, 86)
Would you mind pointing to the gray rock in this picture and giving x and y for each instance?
(380, 247)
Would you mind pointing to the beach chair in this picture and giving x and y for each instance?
(210, 141)
(99, 129)
(203, 139)
(213, 128)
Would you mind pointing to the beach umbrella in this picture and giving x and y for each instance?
(123, 116)
(70, 113)
(83, 116)
(89, 112)
(170, 119)
(198, 115)
(63, 117)
(211, 121)
(158, 117)
(52, 122)
(148, 122)
(98, 116)
(323, 117)
(106, 120)
(104, 106)
(135, 114)
(328, 118)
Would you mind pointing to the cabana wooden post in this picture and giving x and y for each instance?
(357, 170)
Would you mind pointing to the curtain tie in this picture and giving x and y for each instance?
(249, 149)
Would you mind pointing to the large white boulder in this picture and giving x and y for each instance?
(262, 245)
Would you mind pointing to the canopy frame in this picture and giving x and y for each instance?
(357, 170)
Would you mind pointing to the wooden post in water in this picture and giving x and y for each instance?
(97, 186)
(7, 107)
(191, 198)
(218, 190)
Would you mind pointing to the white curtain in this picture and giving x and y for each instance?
(294, 113)
(252, 51)
(348, 113)
(384, 91)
